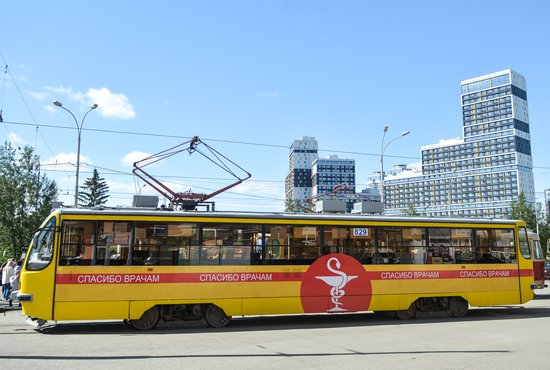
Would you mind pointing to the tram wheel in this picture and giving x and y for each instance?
(458, 307)
(148, 320)
(406, 314)
(216, 317)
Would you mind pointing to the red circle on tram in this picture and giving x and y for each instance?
(335, 283)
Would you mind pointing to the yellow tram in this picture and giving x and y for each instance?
(143, 266)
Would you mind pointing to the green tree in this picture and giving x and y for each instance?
(411, 211)
(94, 191)
(542, 226)
(544, 235)
(26, 198)
(521, 210)
(294, 206)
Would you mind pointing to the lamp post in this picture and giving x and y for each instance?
(382, 150)
(79, 130)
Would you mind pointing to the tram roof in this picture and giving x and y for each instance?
(166, 212)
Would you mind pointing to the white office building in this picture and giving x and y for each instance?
(479, 174)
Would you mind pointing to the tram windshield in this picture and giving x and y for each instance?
(41, 253)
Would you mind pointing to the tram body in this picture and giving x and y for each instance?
(143, 266)
(538, 259)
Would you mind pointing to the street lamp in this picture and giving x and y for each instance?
(79, 130)
(382, 150)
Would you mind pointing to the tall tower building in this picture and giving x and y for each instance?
(480, 174)
(298, 181)
(332, 172)
(327, 173)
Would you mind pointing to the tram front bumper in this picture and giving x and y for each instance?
(21, 297)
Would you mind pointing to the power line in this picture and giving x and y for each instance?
(24, 103)
(172, 136)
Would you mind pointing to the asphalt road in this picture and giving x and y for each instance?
(512, 337)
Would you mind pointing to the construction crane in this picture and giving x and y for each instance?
(189, 200)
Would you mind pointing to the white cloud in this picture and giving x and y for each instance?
(121, 187)
(130, 158)
(109, 104)
(67, 91)
(38, 95)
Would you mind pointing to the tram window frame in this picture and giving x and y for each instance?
(462, 248)
(286, 244)
(413, 246)
(231, 244)
(357, 241)
(304, 248)
(388, 240)
(524, 243)
(164, 243)
(537, 250)
(77, 242)
(113, 242)
(438, 249)
(491, 245)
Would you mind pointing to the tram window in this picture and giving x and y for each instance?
(276, 243)
(113, 243)
(462, 246)
(505, 247)
(357, 242)
(414, 249)
(305, 244)
(292, 244)
(41, 253)
(439, 243)
(537, 250)
(524, 243)
(389, 240)
(77, 243)
(489, 246)
(164, 244)
(230, 244)
(180, 239)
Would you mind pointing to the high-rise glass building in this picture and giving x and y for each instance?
(328, 173)
(298, 181)
(479, 174)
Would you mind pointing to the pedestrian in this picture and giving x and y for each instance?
(7, 273)
(1, 269)
(15, 283)
(18, 265)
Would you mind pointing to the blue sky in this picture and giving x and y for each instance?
(249, 77)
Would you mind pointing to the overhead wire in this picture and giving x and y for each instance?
(14, 81)
(172, 136)
(2, 94)
(39, 132)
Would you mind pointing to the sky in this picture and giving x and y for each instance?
(250, 77)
